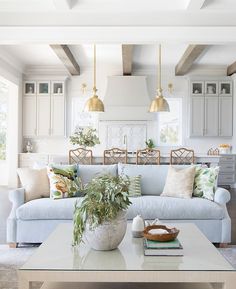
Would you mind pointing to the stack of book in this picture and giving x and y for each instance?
(155, 248)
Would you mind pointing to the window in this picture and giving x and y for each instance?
(3, 119)
(170, 124)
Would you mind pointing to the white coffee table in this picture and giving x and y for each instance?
(57, 261)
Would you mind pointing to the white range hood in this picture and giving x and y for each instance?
(126, 98)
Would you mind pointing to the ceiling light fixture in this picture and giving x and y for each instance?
(94, 104)
(159, 103)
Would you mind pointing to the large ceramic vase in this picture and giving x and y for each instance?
(108, 235)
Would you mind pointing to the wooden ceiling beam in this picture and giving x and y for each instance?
(65, 55)
(188, 58)
(127, 58)
(231, 69)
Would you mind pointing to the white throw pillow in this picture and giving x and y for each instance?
(179, 182)
(35, 183)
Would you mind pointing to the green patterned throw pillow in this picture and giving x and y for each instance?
(205, 182)
(64, 182)
(135, 186)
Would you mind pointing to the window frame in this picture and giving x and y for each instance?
(180, 143)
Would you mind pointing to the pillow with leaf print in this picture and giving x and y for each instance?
(205, 182)
(64, 182)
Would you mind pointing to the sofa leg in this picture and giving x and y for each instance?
(13, 245)
(223, 245)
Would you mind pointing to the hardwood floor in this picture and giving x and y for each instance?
(232, 212)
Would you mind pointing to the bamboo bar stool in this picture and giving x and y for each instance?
(148, 156)
(114, 156)
(80, 156)
(181, 156)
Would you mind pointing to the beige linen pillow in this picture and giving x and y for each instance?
(179, 182)
(35, 183)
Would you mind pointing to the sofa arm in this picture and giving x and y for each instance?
(17, 198)
(222, 196)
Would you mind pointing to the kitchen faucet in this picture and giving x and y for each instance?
(125, 142)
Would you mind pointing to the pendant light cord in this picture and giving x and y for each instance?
(159, 68)
(94, 68)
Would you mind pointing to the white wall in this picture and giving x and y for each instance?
(14, 139)
(13, 77)
(181, 89)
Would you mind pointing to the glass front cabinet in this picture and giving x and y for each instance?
(211, 109)
(44, 108)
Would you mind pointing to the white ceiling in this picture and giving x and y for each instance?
(74, 5)
(117, 21)
(218, 55)
(144, 56)
(108, 5)
(30, 55)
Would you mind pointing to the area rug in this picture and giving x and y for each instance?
(230, 255)
(12, 259)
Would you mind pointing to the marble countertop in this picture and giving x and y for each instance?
(129, 155)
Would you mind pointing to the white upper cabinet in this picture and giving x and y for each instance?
(58, 87)
(58, 115)
(43, 88)
(211, 88)
(225, 88)
(197, 116)
(211, 116)
(43, 115)
(29, 116)
(197, 88)
(211, 109)
(225, 116)
(30, 88)
(44, 109)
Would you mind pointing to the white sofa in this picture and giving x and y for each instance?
(33, 221)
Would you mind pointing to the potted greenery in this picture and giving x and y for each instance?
(101, 218)
(86, 137)
(150, 144)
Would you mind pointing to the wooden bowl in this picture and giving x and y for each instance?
(172, 233)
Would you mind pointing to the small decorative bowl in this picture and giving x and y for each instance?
(170, 236)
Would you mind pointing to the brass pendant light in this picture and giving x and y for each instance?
(159, 103)
(94, 104)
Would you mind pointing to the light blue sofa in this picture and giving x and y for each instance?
(33, 221)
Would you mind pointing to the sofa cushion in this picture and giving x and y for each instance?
(179, 182)
(153, 176)
(48, 209)
(169, 208)
(150, 207)
(135, 186)
(205, 182)
(35, 183)
(64, 182)
(88, 172)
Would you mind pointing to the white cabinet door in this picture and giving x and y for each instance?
(211, 116)
(57, 115)
(197, 116)
(225, 116)
(29, 116)
(43, 115)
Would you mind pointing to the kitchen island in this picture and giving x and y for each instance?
(28, 159)
(227, 162)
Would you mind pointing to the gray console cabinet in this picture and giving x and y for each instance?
(227, 170)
